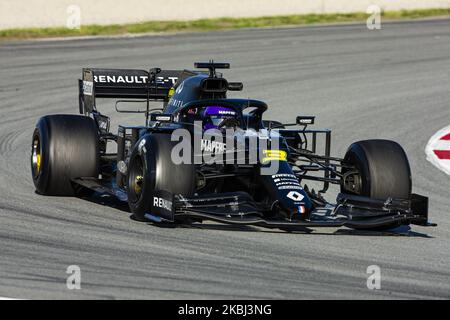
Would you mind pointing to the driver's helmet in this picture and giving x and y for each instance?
(215, 116)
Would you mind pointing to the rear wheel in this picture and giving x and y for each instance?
(63, 147)
(383, 171)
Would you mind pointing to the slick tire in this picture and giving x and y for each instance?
(384, 170)
(63, 147)
(151, 168)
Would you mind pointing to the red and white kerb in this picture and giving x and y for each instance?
(438, 150)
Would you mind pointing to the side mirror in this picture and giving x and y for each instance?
(305, 120)
(235, 86)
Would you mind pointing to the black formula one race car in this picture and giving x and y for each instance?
(203, 156)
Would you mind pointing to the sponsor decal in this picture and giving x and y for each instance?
(175, 103)
(212, 146)
(171, 92)
(295, 183)
(120, 79)
(162, 203)
(163, 118)
(290, 187)
(179, 88)
(438, 150)
(295, 195)
(131, 79)
(87, 87)
(172, 80)
(234, 147)
(227, 112)
(274, 155)
(284, 175)
(286, 181)
(305, 120)
(280, 181)
(141, 146)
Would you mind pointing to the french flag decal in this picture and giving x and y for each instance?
(301, 210)
(438, 150)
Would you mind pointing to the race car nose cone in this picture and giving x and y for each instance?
(284, 188)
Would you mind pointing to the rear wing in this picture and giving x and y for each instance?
(124, 84)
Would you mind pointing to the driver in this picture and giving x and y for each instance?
(216, 117)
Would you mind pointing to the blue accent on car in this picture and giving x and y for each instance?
(152, 217)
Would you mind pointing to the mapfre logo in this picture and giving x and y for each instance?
(438, 150)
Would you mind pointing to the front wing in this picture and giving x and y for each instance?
(239, 208)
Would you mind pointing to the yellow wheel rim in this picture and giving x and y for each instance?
(38, 163)
(138, 185)
(36, 157)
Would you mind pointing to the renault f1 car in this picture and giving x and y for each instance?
(165, 182)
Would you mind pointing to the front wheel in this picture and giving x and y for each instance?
(382, 171)
(151, 169)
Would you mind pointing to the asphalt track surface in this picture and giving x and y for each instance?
(392, 83)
